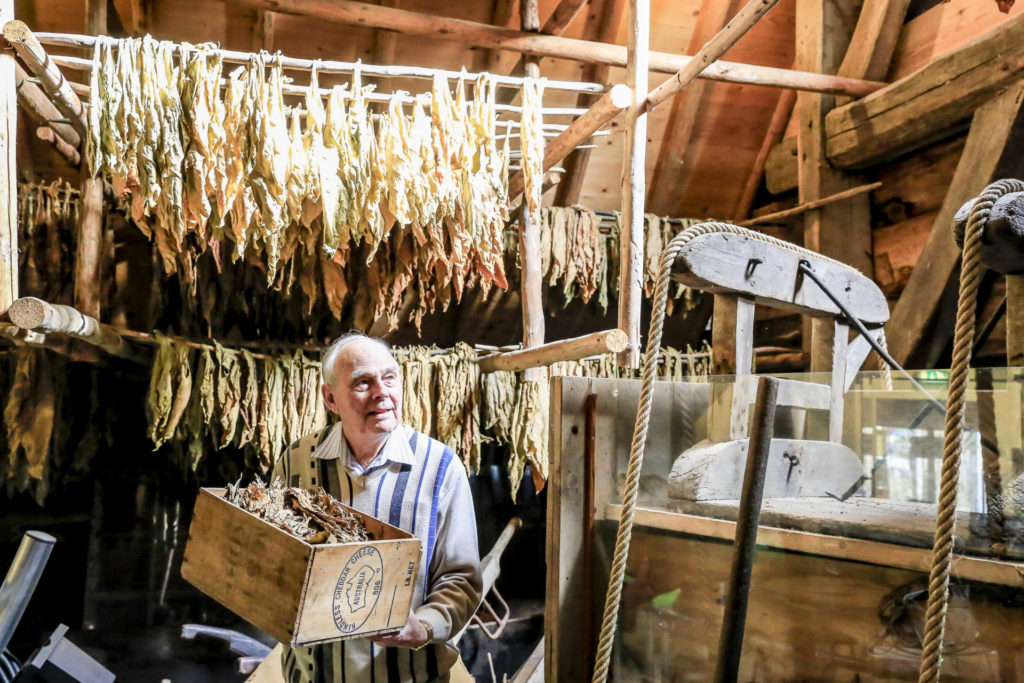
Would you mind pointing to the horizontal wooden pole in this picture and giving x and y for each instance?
(608, 341)
(604, 110)
(36, 315)
(809, 206)
(39, 107)
(50, 78)
(84, 64)
(711, 51)
(336, 67)
(62, 146)
(497, 37)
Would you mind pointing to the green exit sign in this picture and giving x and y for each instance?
(933, 375)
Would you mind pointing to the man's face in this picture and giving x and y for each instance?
(368, 389)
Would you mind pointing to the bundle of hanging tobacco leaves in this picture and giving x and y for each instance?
(216, 397)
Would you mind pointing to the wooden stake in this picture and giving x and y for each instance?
(529, 234)
(50, 77)
(36, 315)
(485, 35)
(712, 50)
(9, 181)
(603, 111)
(596, 343)
(633, 187)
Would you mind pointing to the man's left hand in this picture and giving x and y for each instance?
(413, 635)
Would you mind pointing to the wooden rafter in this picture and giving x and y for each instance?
(989, 149)
(134, 15)
(686, 107)
(776, 129)
(538, 45)
(564, 14)
(841, 230)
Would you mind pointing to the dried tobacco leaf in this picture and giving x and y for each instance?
(312, 515)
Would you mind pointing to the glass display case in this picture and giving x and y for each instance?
(840, 577)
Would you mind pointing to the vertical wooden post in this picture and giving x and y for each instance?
(9, 184)
(529, 231)
(841, 230)
(1015, 321)
(89, 247)
(631, 235)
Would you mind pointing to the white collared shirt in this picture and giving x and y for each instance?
(395, 450)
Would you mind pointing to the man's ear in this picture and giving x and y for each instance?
(328, 394)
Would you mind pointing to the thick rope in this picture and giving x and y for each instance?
(942, 549)
(636, 455)
(884, 367)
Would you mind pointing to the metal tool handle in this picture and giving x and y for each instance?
(21, 581)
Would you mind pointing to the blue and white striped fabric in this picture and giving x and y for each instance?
(419, 485)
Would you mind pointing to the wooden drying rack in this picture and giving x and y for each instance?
(55, 103)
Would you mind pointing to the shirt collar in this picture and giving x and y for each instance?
(396, 450)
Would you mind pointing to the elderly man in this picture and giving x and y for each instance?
(374, 463)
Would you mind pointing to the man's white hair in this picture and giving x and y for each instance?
(330, 353)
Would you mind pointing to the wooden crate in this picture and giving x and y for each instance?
(300, 593)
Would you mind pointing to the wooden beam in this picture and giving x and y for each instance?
(841, 231)
(601, 26)
(874, 39)
(63, 147)
(49, 76)
(810, 206)
(88, 247)
(36, 315)
(781, 170)
(987, 149)
(608, 107)
(39, 107)
(869, 55)
(133, 15)
(385, 42)
(594, 344)
(1014, 321)
(529, 232)
(709, 54)
(9, 175)
(929, 104)
(485, 35)
(776, 129)
(556, 24)
(502, 14)
(683, 117)
(96, 17)
(633, 185)
(263, 34)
